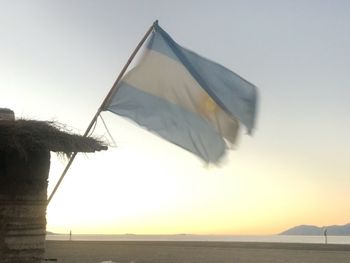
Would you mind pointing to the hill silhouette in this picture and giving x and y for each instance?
(310, 230)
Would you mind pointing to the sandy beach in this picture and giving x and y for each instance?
(194, 252)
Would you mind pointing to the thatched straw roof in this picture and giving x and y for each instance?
(23, 136)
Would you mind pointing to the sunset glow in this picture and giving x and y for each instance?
(60, 58)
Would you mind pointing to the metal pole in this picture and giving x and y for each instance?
(107, 98)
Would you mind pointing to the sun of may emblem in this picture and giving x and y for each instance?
(208, 106)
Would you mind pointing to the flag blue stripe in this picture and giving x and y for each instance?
(157, 43)
(170, 121)
(234, 94)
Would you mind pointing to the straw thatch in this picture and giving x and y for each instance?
(22, 136)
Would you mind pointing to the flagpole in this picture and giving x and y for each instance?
(105, 101)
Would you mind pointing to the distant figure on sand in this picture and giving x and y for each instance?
(70, 235)
(325, 235)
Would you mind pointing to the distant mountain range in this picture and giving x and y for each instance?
(308, 230)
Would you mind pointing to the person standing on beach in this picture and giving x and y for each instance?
(70, 235)
(325, 235)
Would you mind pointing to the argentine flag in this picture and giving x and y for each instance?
(185, 98)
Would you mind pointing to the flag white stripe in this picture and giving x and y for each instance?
(164, 77)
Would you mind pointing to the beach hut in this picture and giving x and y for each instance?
(25, 147)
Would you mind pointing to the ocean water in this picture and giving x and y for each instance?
(222, 238)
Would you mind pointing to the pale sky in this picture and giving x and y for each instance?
(58, 59)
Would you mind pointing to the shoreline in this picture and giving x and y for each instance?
(341, 240)
(194, 252)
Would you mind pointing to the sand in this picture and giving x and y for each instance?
(194, 252)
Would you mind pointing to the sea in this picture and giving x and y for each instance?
(212, 238)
